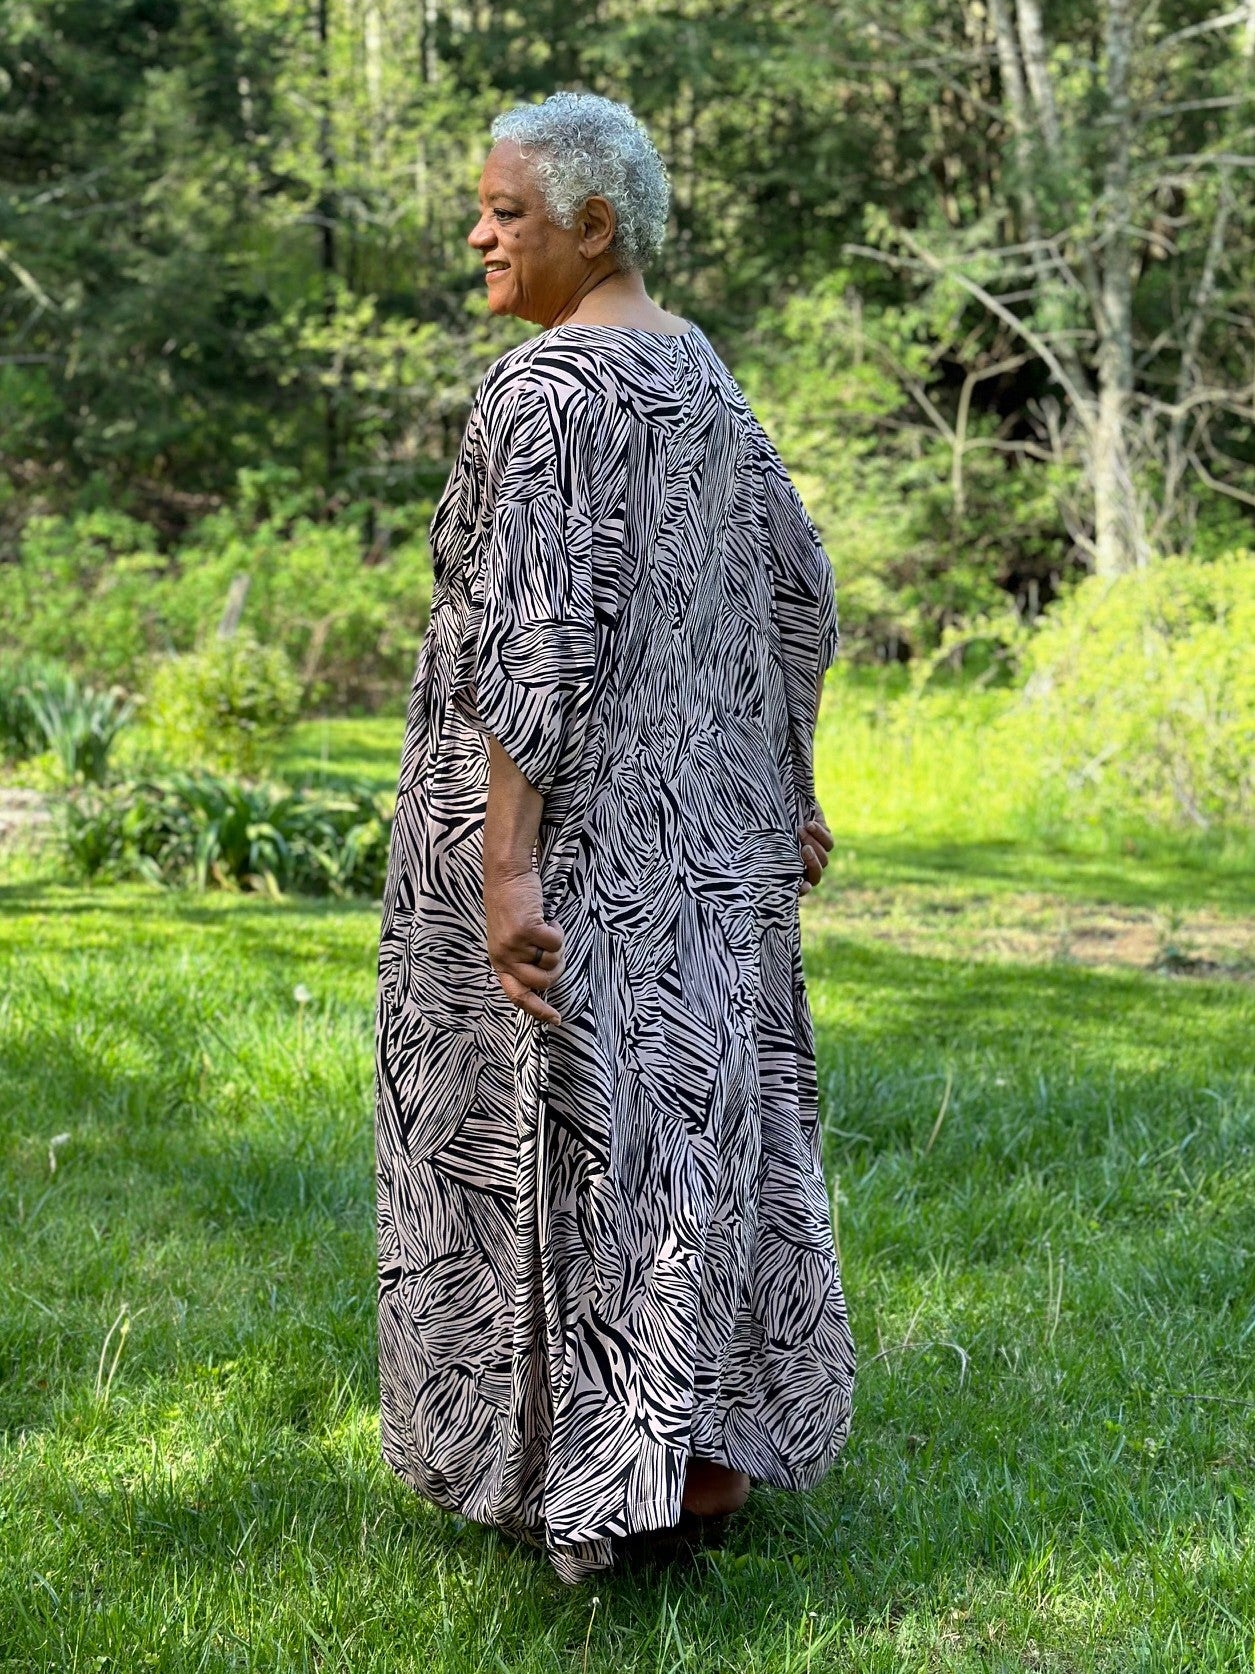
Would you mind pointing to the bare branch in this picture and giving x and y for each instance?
(1036, 342)
(1226, 20)
(27, 280)
(1215, 483)
(1224, 102)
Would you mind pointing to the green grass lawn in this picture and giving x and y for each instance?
(1040, 1130)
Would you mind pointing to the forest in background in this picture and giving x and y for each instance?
(984, 271)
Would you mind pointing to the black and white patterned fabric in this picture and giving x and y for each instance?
(606, 1245)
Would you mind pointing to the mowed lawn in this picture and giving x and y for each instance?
(1040, 1136)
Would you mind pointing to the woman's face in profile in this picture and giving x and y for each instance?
(532, 266)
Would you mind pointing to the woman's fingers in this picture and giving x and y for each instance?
(526, 953)
(540, 955)
(816, 840)
(535, 974)
(535, 960)
(523, 997)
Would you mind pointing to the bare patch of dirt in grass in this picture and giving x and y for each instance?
(23, 814)
(1035, 928)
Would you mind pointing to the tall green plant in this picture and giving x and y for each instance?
(79, 725)
(200, 831)
(21, 734)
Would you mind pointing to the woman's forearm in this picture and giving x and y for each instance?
(512, 819)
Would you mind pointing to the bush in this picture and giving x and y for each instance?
(198, 831)
(78, 724)
(21, 735)
(350, 621)
(1139, 699)
(225, 707)
(348, 610)
(82, 591)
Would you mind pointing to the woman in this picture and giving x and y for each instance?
(607, 1286)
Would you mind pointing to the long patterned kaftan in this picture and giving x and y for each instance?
(605, 1245)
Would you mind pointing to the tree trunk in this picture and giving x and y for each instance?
(1116, 524)
(372, 44)
(1120, 542)
(326, 218)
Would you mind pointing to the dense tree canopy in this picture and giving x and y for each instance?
(985, 269)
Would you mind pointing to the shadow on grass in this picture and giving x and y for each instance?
(297, 939)
(1102, 1019)
(53, 898)
(1148, 876)
(950, 1487)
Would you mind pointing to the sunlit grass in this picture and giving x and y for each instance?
(1044, 1178)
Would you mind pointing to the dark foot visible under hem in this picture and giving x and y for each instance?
(690, 1535)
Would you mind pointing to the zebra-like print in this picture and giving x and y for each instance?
(606, 1245)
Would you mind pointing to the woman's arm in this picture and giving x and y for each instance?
(512, 821)
(815, 837)
(513, 904)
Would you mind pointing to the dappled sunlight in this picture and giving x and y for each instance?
(1041, 1209)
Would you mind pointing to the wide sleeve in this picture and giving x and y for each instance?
(805, 603)
(802, 576)
(526, 655)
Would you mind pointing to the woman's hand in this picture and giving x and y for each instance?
(526, 953)
(816, 840)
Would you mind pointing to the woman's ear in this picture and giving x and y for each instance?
(597, 224)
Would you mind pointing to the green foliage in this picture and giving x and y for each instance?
(925, 537)
(44, 708)
(78, 724)
(896, 762)
(198, 831)
(1139, 704)
(82, 589)
(21, 678)
(225, 707)
(348, 612)
(236, 234)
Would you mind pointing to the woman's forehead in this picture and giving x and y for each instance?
(506, 173)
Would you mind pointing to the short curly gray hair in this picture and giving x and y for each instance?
(584, 146)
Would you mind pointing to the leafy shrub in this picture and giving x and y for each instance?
(199, 831)
(347, 608)
(224, 707)
(78, 723)
(349, 619)
(81, 591)
(21, 734)
(1139, 699)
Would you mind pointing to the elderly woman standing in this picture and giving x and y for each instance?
(608, 1294)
